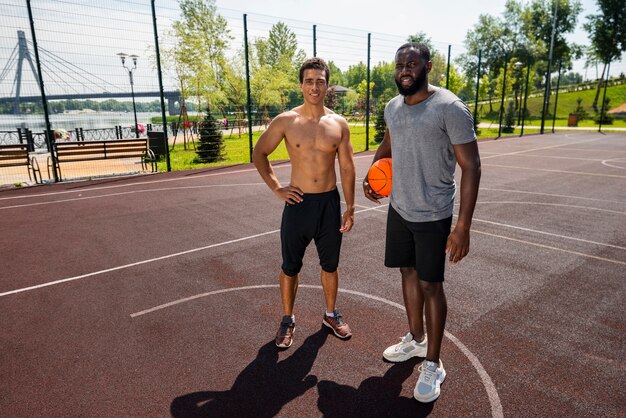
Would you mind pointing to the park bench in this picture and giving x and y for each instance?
(17, 155)
(75, 151)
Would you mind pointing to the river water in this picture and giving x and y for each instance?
(70, 121)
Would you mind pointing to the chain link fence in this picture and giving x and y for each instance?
(100, 80)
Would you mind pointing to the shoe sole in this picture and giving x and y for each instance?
(400, 360)
(291, 342)
(343, 337)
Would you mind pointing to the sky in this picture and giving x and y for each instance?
(445, 22)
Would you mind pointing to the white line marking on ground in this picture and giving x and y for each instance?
(619, 160)
(150, 260)
(192, 177)
(550, 247)
(490, 387)
(548, 233)
(538, 149)
(73, 199)
(138, 263)
(549, 194)
(555, 171)
(513, 202)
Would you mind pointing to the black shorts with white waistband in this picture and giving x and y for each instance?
(421, 245)
(317, 217)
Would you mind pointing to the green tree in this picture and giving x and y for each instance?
(336, 76)
(607, 31)
(355, 74)
(202, 40)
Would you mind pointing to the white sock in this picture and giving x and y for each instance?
(330, 315)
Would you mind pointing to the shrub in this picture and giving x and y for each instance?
(509, 118)
(210, 146)
(380, 125)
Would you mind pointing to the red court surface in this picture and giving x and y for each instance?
(157, 295)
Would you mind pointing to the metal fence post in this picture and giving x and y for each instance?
(506, 65)
(249, 101)
(48, 130)
(525, 96)
(158, 61)
(315, 40)
(556, 99)
(606, 83)
(448, 68)
(367, 97)
(477, 90)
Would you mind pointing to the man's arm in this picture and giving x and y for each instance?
(267, 143)
(468, 158)
(383, 151)
(348, 175)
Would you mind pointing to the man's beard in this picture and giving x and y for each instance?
(413, 88)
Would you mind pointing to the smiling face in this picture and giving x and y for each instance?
(411, 74)
(314, 85)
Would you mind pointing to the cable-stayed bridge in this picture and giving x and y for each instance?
(69, 76)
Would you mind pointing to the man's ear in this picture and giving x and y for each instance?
(429, 66)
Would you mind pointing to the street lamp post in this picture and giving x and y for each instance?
(123, 57)
(518, 85)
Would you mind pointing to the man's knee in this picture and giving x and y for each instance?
(431, 289)
(408, 272)
(291, 271)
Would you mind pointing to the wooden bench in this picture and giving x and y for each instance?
(75, 151)
(17, 155)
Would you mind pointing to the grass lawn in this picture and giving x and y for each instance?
(237, 147)
(566, 104)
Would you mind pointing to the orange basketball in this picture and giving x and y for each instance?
(379, 177)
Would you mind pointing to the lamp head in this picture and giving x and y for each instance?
(122, 57)
(134, 57)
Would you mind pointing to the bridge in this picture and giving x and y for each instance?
(21, 54)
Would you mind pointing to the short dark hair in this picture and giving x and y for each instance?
(421, 49)
(315, 63)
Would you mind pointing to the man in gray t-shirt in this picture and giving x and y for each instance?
(429, 131)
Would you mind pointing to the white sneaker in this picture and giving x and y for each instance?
(406, 348)
(428, 386)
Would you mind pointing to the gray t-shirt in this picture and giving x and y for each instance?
(422, 135)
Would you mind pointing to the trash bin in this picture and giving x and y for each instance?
(157, 143)
(572, 119)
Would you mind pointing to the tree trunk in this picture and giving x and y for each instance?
(598, 88)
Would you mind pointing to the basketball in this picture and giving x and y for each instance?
(379, 177)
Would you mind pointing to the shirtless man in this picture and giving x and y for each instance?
(314, 135)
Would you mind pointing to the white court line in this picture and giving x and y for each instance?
(550, 194)
(513, 202)
(610, 260)
(548, 233)
(222, 173)
(538, 149)
(73, 199)
(490, 387)
(619, 160)
(556, 171)
(150, 260)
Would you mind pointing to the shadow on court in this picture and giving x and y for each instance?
(375, 397)
(262, 388)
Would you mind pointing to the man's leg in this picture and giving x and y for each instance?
(436, 310)
(288, 291)
(413, 302)
(330, 284)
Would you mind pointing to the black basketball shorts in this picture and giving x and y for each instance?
(417, 244)
(317, 217)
